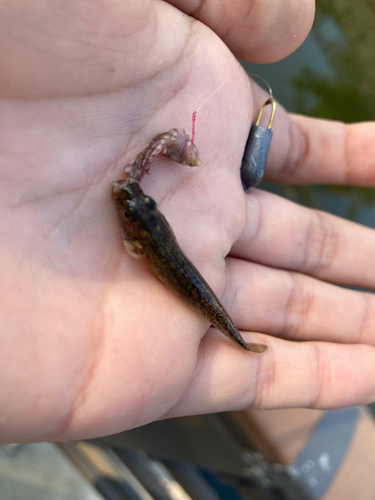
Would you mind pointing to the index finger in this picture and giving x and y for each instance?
(310, 150)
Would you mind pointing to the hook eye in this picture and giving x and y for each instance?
(272, 102)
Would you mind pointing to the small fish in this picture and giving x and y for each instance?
(148, 235)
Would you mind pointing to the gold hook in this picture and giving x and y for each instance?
(273, 104)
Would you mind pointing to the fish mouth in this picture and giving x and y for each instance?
(117, 186)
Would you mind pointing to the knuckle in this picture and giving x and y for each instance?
(299, 304)
(321, 245)
(323, 377)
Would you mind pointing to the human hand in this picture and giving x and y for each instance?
(92, 343)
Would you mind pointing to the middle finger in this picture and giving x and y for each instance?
(295, 306)
(283, 234)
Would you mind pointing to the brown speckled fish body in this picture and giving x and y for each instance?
(147, 234)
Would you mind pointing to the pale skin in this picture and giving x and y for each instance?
(91, 342)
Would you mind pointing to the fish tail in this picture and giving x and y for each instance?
(236, 337)
(256, 347)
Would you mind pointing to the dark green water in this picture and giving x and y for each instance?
(332, 75)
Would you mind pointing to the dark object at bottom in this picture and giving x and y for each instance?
(255, 156)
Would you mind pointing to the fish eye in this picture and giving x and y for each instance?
(130, 213)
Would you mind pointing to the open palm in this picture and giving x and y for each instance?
(92, 343)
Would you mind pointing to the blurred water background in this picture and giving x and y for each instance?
(330, 76)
